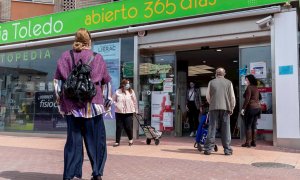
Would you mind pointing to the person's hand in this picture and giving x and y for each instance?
(230, 113)
(58, 100)
(107, 103)
(243, 112)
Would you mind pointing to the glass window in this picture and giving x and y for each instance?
(257, 61)
(26, 89)
(157, 91)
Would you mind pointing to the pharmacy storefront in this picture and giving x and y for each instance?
(146, 42)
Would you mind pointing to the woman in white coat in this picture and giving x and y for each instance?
(125, 105)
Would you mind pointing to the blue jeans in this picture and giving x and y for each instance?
(92, 131)
(222, 118)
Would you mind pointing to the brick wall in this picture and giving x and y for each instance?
(84, 3)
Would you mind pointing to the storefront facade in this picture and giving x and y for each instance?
(265, 35)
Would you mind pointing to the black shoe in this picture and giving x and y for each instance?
(116, 144)
(228, 153)
(216, 148)
(246, 145)
(96, 178)
(207, 152)
(253, 144)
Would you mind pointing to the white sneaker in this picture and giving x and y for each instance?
(192, 134)
(195, 133)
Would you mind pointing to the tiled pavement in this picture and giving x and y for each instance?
(32, 158)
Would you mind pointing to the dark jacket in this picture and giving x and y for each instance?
(252, 97)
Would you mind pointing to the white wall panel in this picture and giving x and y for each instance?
(286, 82)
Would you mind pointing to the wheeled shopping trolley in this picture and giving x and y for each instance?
(149, 131)
(202, 133)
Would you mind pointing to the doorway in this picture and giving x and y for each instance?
(199, 66)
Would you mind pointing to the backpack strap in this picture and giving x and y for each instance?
(92, 58)
(72, 56)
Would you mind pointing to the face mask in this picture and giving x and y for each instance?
(127, 86)
(246, 83)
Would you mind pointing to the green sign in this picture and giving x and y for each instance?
(127, 69)
(117, 14)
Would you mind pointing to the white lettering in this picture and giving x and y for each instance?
(47, 104)
(49, 25)
(60, 24)
(37, 30)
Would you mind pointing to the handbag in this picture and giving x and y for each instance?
(186, 125)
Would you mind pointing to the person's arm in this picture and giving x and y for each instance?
(106, 86)
(232, 98)
(114, 97)
(199, 100)
(247, 99)
(107, 95)
(208, 93)
(58, 83)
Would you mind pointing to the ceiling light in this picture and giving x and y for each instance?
(235, 61)
(219, 50)
(204, 62)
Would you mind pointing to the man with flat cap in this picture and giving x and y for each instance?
(221, 99)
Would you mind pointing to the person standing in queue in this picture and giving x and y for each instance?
(84, 119)
(125, 106)
(221, 99)
(251, 110)
(193, 107)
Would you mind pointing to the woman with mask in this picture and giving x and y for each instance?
(251, 110)
(125, 105)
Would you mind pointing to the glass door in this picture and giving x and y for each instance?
(257, 61)
(157, 90)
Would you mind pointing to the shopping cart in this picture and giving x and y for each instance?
(149, 131)
(202, 133)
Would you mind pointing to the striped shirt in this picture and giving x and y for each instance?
(88, 111)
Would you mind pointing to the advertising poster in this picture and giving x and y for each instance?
(258, 69)
(47, 117)
(266, 120)
(161, 112)
(168, 85)
(111, 55)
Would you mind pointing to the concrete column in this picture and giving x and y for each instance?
(286, 87)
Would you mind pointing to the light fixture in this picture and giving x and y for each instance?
(204, 62)
(219, 50)
(235, 61)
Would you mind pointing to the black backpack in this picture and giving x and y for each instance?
(78, 85)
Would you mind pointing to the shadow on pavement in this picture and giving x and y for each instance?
(190, 151)
(17, 175)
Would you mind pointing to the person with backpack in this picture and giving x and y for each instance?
(80, 78)
(125, 105)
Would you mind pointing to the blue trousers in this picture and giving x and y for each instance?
(92, 131)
